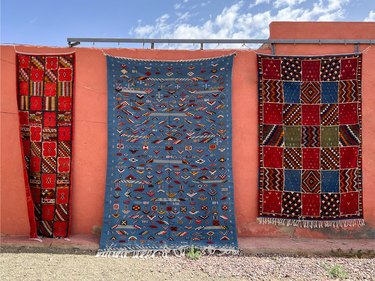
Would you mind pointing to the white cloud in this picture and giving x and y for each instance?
(177, 6)
(183, 16)
(280, 3)
(236, 22)
(371, 16)
(144, 30)
(258, 2)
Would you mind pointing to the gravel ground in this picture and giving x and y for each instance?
(42, 266)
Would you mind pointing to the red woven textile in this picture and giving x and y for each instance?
(310, 167)
(45, 104)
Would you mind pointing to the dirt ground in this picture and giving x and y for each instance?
(52, 266)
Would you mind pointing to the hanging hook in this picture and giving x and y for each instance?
(356, 48)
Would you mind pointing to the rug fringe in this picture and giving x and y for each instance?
(151, 253)
(312, 223)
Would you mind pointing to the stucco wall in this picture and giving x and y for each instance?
(90, 136)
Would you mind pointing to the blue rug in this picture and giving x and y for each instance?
(169, 172)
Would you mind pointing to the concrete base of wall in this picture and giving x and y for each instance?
(84, 244)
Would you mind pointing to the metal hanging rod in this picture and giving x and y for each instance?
(76, 41)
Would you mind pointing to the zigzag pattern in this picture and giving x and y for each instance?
(291, 204)
(349, 135)
(310, 181)
(330, 158)
(310, 92)
(273, 179)
(292, 158)
(329, 114)
(292, 114)
(310, 136)
(349, 180)
(273, 135)
(272, 91)
(348, 91)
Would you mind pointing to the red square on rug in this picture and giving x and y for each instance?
(50, 89)
(348, 113)
(23, 61)
(48, 212)
(310, 70)
(64, 133)
(272, 201)
(48, 181)
(62, 196)
(51, 63)
(271, 68)
(35, 164)
(49, 149)
(36, 75)
(65, 104)
(49, 119)
(36, 103)
(311, 158)
(60, 228)
(63, 164)
(273, 113)
(349, 203)
(310, 114)
(36, 133)
(348, 157)
(311, 205)
(24, 118)
(273, 157)
(24, 88)
(348, 69)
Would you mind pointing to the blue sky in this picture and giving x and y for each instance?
(50, 22)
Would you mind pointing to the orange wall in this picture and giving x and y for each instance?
(90, 135)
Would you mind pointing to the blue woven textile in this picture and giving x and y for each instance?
(169, 172)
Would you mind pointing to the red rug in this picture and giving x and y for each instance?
(310, 140)
(45, 103)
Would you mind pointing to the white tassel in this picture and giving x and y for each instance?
(165, 252)
(311, 223)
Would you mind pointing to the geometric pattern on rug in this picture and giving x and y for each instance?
(169, 174)
(45, 105)
(310, 135)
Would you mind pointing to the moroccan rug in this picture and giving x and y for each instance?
(45, 103)
(310, 140)
(169, 174)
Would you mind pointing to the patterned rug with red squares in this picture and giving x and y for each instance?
(310, 140)
(45, 104)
